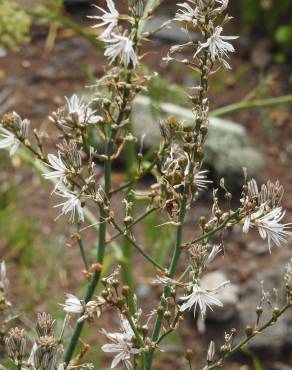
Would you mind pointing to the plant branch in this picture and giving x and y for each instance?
(248, 338)
(253, 104)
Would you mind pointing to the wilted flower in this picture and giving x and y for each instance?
(218, 47)
(122, 47)
(121, 345)
(109, 19)
(45, 325)
(16, 344)
(211, 351)
(202, 298)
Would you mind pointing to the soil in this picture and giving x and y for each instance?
(38, 80)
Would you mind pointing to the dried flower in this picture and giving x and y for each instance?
(45, 325)
(109, 19)
(16, 344)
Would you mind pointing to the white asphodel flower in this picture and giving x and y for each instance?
(201, 180)
(72, 205)
(81, 111)
(9, 139)
(119, 46)
(4, 282)
(202, 298)
(218, 46)
(60, 170)
(109, 19)
(88, 311)
(73, 304)
(269, 226)
(121, 345)
(186, 14)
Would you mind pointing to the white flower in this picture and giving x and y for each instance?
(186, 14)
(60, 170)
(80, 110)
(19, 130)
(269, 226)
(73, 304)
(223, 5)
(92, 310)
(203, 298)
(109, 19)
(72, 205)
(122, 47)
(121, 345)
(4, 282)
(200, 180)
(8, 139)
(218, 47)
(89, 311)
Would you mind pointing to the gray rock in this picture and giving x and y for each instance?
(173, 32)
(278, 337)
(229, 296)
(227, 148)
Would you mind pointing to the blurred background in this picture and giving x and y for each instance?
(49, 50)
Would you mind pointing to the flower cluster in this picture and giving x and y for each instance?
(265, 213)
(118, 44)
(86, 311)
(13, 131)
(121, 345)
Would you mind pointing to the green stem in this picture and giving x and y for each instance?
(253, 104)
(136, 221)
(166, 292)
(214, 231)
(127, 265)
(99, 259)
(81, 247)
(247, 339)
(140, 250)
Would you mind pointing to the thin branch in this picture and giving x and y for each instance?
(253, 104)
(248, 338)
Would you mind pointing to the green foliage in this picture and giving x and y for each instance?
(14, 26)
(275, 20)
(160, 246)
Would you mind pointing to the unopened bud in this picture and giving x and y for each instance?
(248, 330)
(126, 290)
(190, 355)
